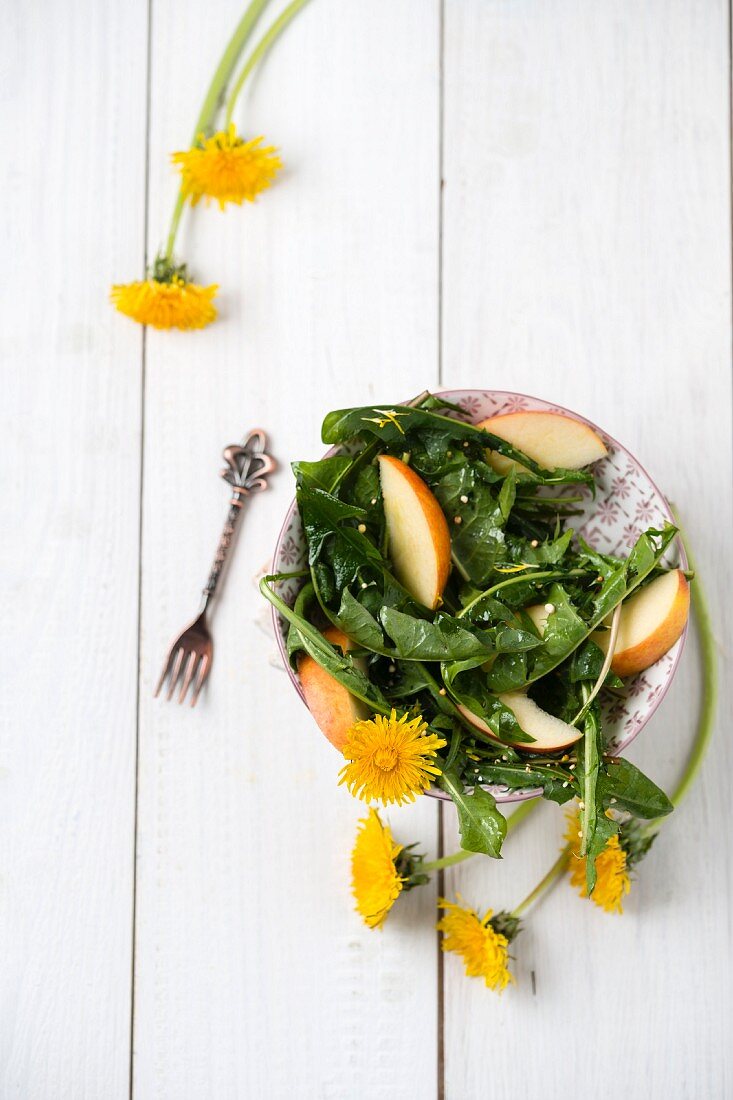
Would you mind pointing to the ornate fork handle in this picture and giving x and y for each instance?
(246, 470)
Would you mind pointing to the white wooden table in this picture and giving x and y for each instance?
(176, 918)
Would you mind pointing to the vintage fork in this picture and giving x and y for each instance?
(246, 470)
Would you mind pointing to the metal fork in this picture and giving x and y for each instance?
(246, 470)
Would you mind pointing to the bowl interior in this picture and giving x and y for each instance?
(627, 501)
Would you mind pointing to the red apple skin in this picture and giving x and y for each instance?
(436, 523)
(636, 658)
(334, 709)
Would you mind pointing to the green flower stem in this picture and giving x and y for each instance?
(709, 693)
(523, 810)
(259, 52)
(175, 222)
(213, 97)
(709, 665)
(446, 861)
(544, 884)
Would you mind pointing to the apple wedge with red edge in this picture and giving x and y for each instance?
(334, 708)
(553, 440)
(419, 539)
(550, 734)
(651, 621)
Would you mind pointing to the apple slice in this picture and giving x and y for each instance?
(550, 734)
(334, 708)
(651, 622)
(539, 615)
(419, 540)
(551, 439)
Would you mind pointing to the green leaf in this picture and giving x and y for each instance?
(338, 665)
(444, 639)
(322, 516)
(410, 678)
(633, 791)
(557, 784)
(591, 813)
(478, 540)
(643, 556)
(393, 424)
(295, 642)
(360, 626)
(603, 829)
(635, 840)
(566, 630)
(508, 493)
(456, 483)
(587, 663)
(325, 474)
(612, 592)
(367, 488)
(481, 825)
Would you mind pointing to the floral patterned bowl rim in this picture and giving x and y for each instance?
(627, 501)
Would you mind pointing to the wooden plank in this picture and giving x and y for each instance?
(73, 127)
(587, 260)
(253, 975)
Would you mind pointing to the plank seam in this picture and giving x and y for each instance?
(143, 364)
(441, 181)
(440, 1062)
(730, 149)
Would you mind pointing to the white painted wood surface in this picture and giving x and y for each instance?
(581, 252)
(73, 184)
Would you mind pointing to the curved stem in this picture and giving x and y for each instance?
(519, 579)
(175, 222)
(709, 663)
(557, 869)
(210, 105)
(523, 810)
(259, 52)
(447, 861)
(710, 692)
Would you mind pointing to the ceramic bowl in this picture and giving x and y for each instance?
(627, 501)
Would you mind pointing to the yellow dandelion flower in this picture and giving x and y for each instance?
(375, 881)
(227, 168)
(166, 299)
(389, 758)
(483, 950)
(612, 882)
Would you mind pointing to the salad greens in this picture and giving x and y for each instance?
(513, 548)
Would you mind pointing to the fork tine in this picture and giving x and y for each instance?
(188, 674)
(163, 675)
(201, 676)
(174, 673)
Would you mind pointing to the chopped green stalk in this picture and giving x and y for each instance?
(604, 670)
(588, 779)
